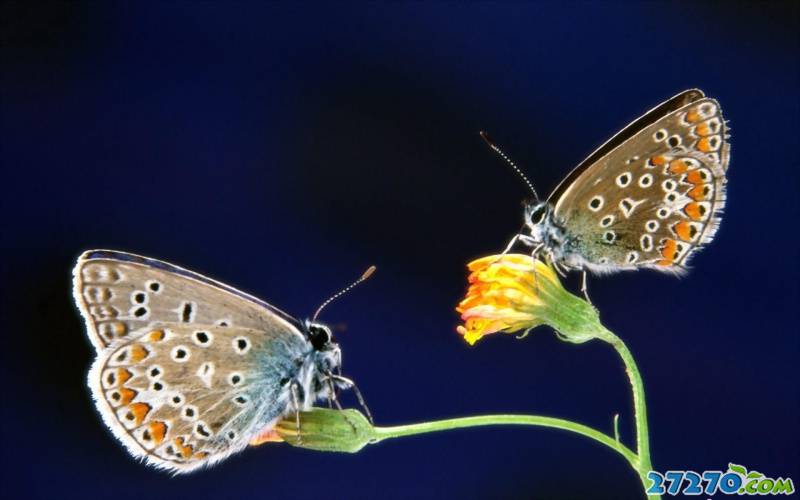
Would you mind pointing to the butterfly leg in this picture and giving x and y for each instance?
(517, 237)
(358, 394)
(558, 267)
(511, 244)
(296, 403)
(332, 390)
(534, 255)
(584, 289)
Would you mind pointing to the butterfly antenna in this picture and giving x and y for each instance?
(499, 151)
(343, 291)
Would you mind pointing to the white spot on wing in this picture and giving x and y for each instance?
(139, 312)
(203, 338)
(206, 373)
(139, 297)
(187, 312)
(235, 378)
(176, 400)
(596, 203)
(628, 205)
(155, 372)
(607, 220)
(241, 345)
(180, 354)
(646, 242)
(189, 412)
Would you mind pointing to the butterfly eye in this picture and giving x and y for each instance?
(319, 336)
(538, 214)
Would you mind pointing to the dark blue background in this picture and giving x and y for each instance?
(283, 148)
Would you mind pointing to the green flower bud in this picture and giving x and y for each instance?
(323, 429)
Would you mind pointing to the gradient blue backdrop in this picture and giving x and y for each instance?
(283, 148)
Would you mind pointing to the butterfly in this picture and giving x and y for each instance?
(189, 370)
(650, 197)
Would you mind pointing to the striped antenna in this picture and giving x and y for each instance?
(497, 150)
(338, 294)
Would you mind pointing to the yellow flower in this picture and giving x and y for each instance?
(512, 292)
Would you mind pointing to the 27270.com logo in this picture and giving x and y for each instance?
(737, 480)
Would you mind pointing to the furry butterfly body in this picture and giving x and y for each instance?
(648, 198)
(189, 370)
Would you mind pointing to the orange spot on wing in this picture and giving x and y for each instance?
(123, 375)
(185, 451)
(658, 160)
(200, 455)
(126, 395)
(670, 250)
(156, 336)
(678, 166)
(139, 411)
(693, 115)
(694, 210)
(696, 176)
(703, 130)
(158, 430)
(118, 328)
(704, 145)
(664, 263)
(138, 353)
(699, 193)
(684, 230)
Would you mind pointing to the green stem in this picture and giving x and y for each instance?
(381, 433)
(639, 406)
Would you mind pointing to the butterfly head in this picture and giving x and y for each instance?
(327, 354)
(538, 219)
(319, 335)
(536, 212)
(323, 367)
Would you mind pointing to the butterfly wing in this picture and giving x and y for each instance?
(118, 293)
(182, 396)
(653, 194)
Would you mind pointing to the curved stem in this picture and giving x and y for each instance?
(381, 433)
(639, 406)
